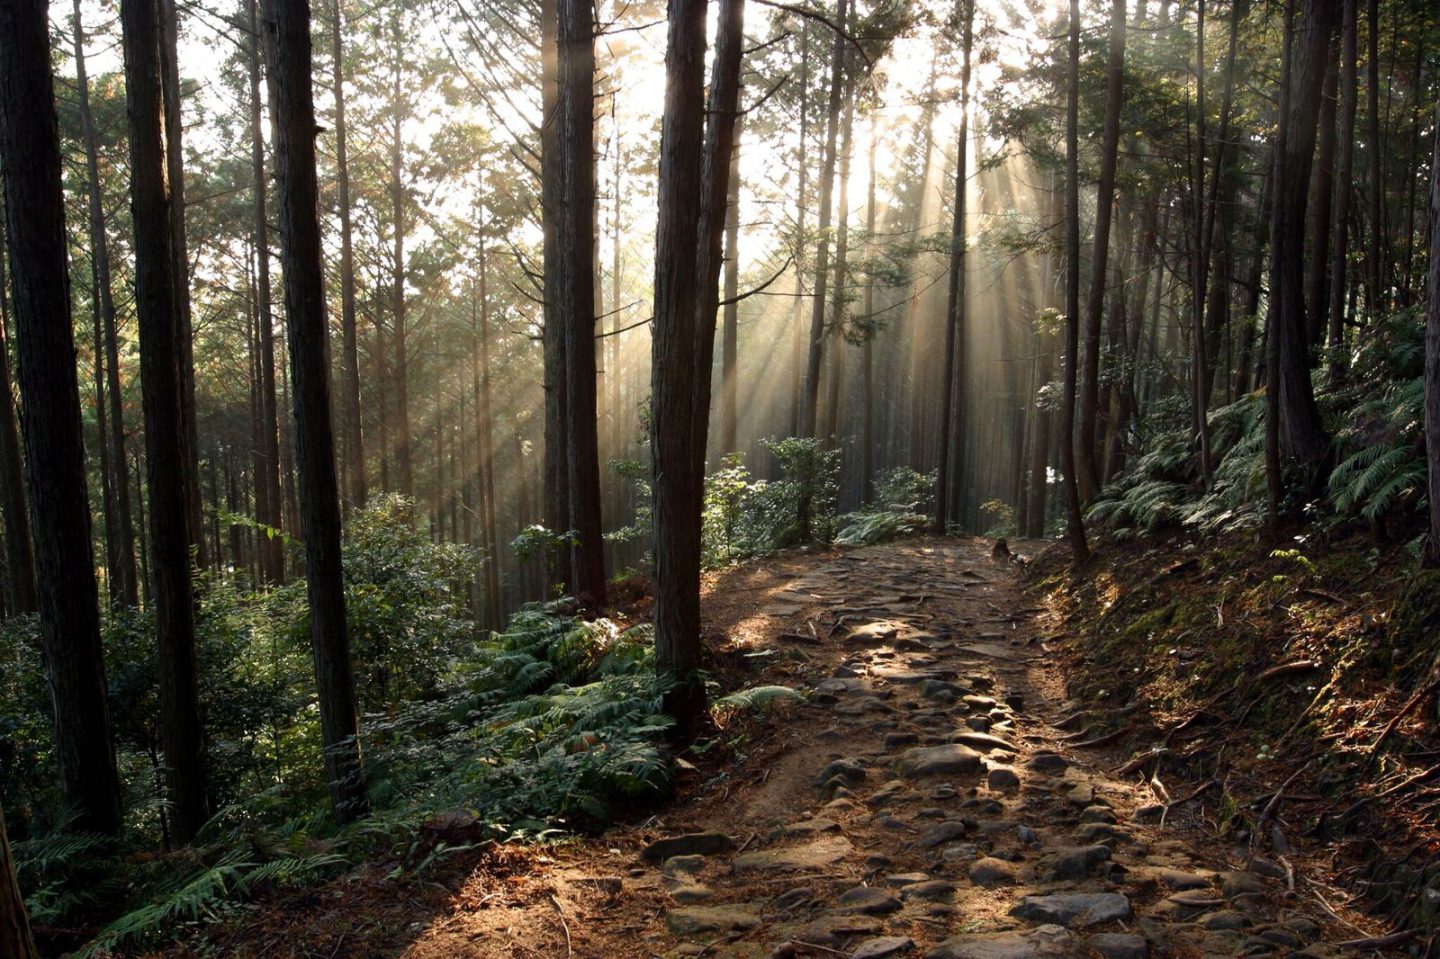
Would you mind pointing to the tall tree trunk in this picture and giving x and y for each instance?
(1317, 271)
(1076, 522)
(68, 599)
(179, 250)
(16, 941)
(822, 249)
(158, 313)
(730, 335)
(951, 404)
(1200, 263)
(120, 545)
(400, 338)
(19, 553)
(834, 397)
(802, 164)
(1086, 451)
(1344, 173)
(486, 446)
(552, 184)
(867, 374)
(1302, 435)
(267, 484)
(1432, 361)
(694, 170)
(319, 493)
(575, 251)
(353, 429)
(1374, 265)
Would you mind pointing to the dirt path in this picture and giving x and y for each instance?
(924, 801)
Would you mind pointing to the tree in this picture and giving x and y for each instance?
(1076, 521)
(1086, 451)
(1432, 360)
(951, 395)
(158, 312)
(349, 337)
(575, 258)
(694, 174)
(1302, 436)
(319, 494)
(822, 249)
(267, 452)
(66, 590)
(119, 541)
(16, 942)
(1344, 171)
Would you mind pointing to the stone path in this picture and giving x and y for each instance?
(934, 808)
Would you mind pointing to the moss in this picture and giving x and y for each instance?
(1415, 620)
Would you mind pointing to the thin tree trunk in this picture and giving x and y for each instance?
(552, 183)
(493, 611)
(730, 336)
(298, 196)
(267, 484)
(161, 349)
(802, 164)
(400, 339)
(120, 543)
(1316, 277)
(1076, 523)
(1344, 173)
(838, 296)
(1373, 259)
(1087, 471)
(179, 250)
(822, 250)
(1432, 361)
(867, 376)
(951, 403)
(350, 341)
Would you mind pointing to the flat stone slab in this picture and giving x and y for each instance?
(883, 947)
(880, 631)
(1045, 942)
(690, 844)
(868, 901)
(948, 760)
(1079, 909)
(812, 855)
(693, 920)
(984, 742)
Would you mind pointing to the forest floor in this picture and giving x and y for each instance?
(932, 797)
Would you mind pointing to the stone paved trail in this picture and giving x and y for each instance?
(932, 797)
(931, 805)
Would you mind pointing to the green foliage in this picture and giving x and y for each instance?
(906, 490)
(1384, 468)
(863, 529)
(726, 492)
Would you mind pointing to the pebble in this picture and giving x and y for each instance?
(868, 901)
(1074, 909)
(883, 947)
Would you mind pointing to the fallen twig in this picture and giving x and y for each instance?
(1405, 710)
(1284, 669)
(569, 951)
(1380, 942)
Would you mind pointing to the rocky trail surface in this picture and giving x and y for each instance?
(929, 799)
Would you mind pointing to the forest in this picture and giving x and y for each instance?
(445, 441)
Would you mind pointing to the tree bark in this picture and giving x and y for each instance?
(1302, 435)
(267, 484)
(179, 250)
(400, 336)
(319, 494)
(1076, 522)
(730, 335)
(1086, 451)
(951, 406)
(575, 252)
(359, 490)
(158, 313)
(1344, 173)
(556, 490)
(486, 447)
(694, 174)
(1432, 361)
(67, 595)
(120, 542)
(808, 420)
(19, 551)
(834, 392)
